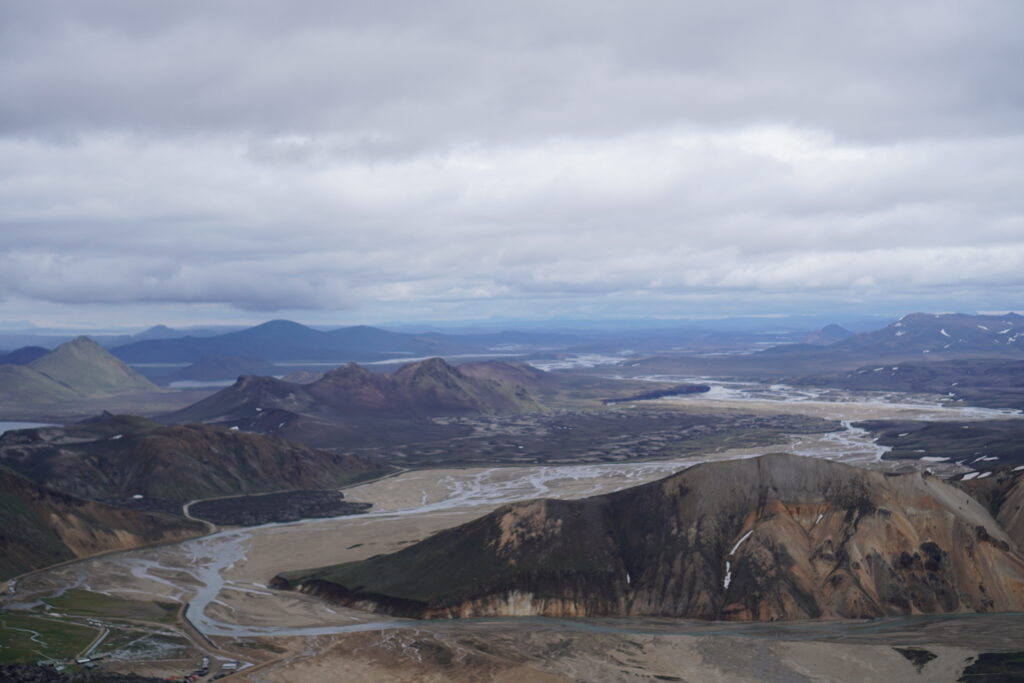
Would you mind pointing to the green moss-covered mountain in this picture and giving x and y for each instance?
(75, 370)
(40, 526)
(120, 456)
(776, 537)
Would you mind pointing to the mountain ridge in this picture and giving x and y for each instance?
(775, 537)
(422, 389)
(118, 456)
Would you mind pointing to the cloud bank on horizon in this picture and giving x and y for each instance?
(594, 158)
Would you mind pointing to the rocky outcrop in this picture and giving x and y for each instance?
(777, 537)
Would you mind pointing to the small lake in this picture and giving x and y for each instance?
(10, 426)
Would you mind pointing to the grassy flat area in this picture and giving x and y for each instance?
(25, 638)
(87, 603)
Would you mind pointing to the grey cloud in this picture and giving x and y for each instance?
(474, 155)
(424, 74)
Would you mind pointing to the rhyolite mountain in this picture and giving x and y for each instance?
(423, 389)
(77, 369)
(775, 537)
(118, 456)
(1003, 496)
(278, 340)
(40, 526)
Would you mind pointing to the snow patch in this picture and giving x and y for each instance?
(943, 332)
(116, 437)
(740, 542)
(969, 476)
(728, 576)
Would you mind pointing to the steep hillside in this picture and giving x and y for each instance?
(39, 526)
(20, 385)
(121, 456)
(84, 366)
(1003, 496)
(247, 398)
(776, 537)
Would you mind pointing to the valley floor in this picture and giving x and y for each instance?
(288, 636)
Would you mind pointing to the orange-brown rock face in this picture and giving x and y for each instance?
(778, 537)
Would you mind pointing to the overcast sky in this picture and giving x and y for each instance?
(193, 161)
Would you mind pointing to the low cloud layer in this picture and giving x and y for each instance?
(595, 159)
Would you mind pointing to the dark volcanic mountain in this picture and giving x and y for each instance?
(115, 457)
(40, 526)
(285, 340)
(424, 389)
(23, 356)
(776, 537)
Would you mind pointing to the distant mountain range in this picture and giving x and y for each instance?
(42, 526)
(284, 340)
(914, 337)
(114, 457)
(74, 370)
(775, 537)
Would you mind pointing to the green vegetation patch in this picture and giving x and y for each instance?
(25, 638)
(150, 647)
(87, 603)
